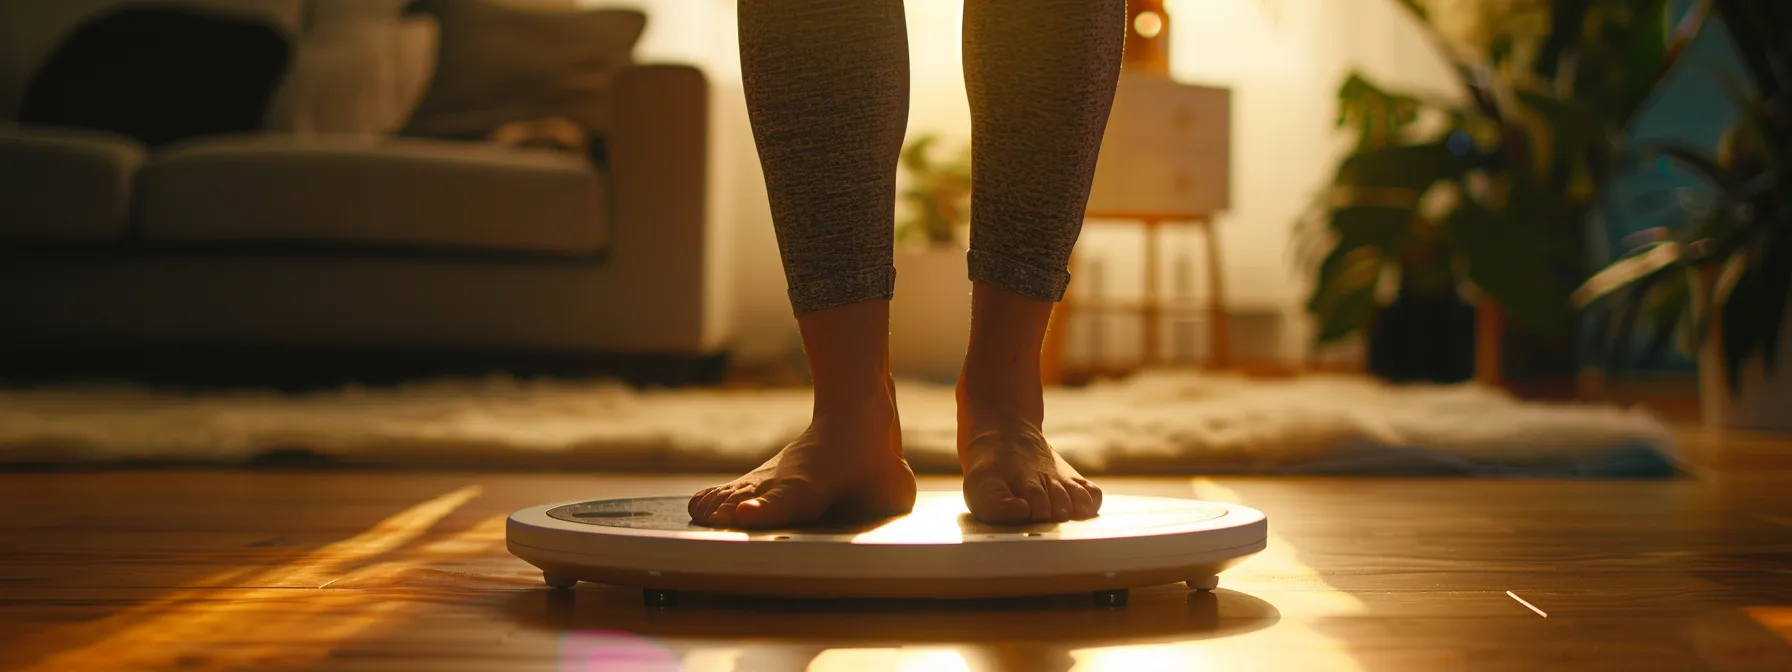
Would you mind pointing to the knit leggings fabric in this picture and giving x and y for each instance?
(827, 93)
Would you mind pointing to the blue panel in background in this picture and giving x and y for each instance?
(1695, 106)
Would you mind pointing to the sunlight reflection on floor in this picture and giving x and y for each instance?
(1291, 641)
(193, 629)
(1254, 650)
(892, 659)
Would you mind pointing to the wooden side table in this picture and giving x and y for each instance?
(1165, 162)
(1151, 306)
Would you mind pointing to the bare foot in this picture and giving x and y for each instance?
(848, 462)
(1011, 475)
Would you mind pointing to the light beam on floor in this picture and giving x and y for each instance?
(283, 618)
(1293, 635)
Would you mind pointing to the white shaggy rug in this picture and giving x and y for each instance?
(1154, 423)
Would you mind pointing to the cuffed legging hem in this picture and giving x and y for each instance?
(1039, 284)
(838, 289)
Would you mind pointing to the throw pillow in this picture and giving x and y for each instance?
(321, 14)
(359, 76)
(501, 64)
(160, 75)
(33, 29)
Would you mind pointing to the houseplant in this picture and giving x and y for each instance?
(938, 194)
(1490, 194)
(1718, 276)
(930, 318)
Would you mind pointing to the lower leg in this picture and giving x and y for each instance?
(1012, 475)
(827, 92)
(1040, 83)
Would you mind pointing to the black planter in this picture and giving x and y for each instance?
(1423, 338)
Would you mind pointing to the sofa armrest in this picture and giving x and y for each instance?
(664, 237)
(62, 184)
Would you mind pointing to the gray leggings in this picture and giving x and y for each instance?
(827, 91)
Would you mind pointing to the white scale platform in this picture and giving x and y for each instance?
(937, 551)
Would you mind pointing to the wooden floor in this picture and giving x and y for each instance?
(389, 571)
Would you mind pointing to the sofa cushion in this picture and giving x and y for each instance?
(65, 184)
(352, 189)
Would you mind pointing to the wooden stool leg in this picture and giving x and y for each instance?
(1218, 317)
(1150, 312)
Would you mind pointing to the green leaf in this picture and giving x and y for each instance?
(915, 156)
(1645, 54)
(1412, 168)
(1758, 32)
(1416, 8)
(1628, 271)
(1700, 163)
(1564, 136)
(1518, 264)
(1343, 299)
(1379, 116)
(1384, 228)
(1566, 19)
(1708, 309)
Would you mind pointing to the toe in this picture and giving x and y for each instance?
(992, 501)
(1094, 493)
(1060, 498)
(724, 513)
(706, 507)
(781, 505)
(1039, 504)
(1082, 505)
(698, 514)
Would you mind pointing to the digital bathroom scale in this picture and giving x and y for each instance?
(936, 551)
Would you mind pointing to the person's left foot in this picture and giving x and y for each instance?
(1011, 475)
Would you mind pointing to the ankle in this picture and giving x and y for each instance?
(872, 394)
(855, 387)
(1000, 396)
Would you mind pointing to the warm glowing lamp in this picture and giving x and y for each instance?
(1147, 37)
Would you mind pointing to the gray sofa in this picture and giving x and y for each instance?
(320, 242)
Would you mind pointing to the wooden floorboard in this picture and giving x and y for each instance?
(219, 570)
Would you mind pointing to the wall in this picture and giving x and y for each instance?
(1282, 58)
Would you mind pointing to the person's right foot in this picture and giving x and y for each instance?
(848, 462)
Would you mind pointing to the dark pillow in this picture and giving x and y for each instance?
(503, 64)
(160, 75)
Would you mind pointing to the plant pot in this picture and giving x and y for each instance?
(1761, 400)
(1420, 338)
(930, 317)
